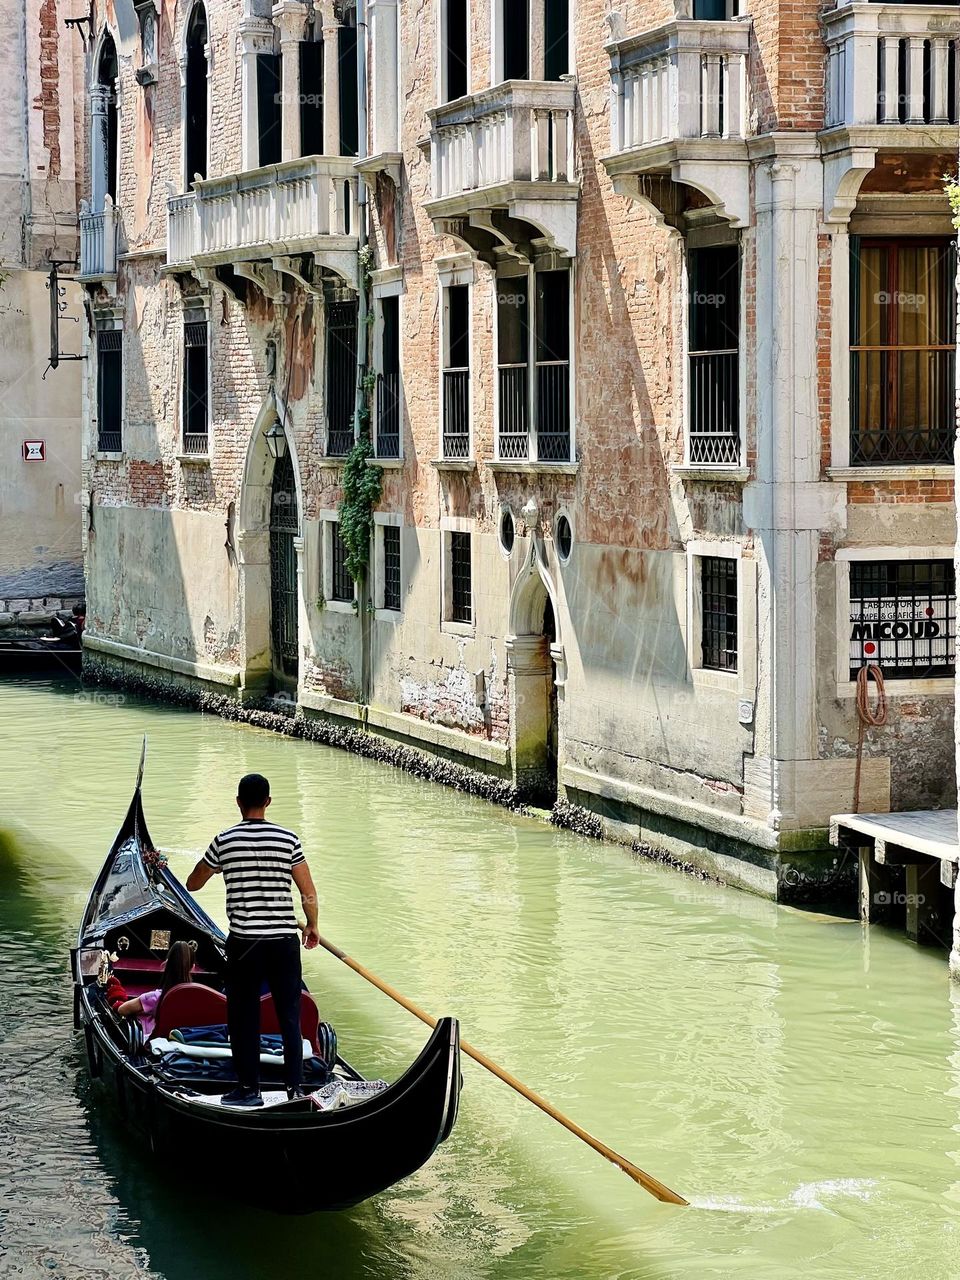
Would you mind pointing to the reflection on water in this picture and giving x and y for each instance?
(798, 1081)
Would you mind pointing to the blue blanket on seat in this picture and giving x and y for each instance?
(177, 1067)
(218, 1037)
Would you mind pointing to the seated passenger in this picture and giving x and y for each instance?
(178, 968)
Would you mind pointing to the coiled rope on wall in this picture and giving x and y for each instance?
(873, 717)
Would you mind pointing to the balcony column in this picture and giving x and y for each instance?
(915, 80)
(860, 70)
(256, 36)
(939, 83)
(290, 17)
(331, 88)
(384, 41)
(99, 158)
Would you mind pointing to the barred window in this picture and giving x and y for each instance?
(461, 600)
(109, 390)
(195, 386)
(342, 583)
(718, 584)
(391, 567)
(903, 617)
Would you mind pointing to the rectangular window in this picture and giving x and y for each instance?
(311, 98)
(513, 358)
(349, 124)
(556, 52)
(718, 602)
(455, 52)
(515, 20)
(553, 365)
(903, 617)
(461, 584)
(713, 353)
(391, 567)
(269, 108)
(109, 390)
(456, 372)
(196, 421)
(341, 376)
(341, 586)
(902, 351)
(388, 382)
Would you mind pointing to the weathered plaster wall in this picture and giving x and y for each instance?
(40, 514)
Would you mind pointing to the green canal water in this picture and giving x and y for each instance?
(796, 1078)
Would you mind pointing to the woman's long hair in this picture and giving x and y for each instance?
(178, 967)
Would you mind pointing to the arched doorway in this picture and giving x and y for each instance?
(195, 105)
(284, 594)
(534, 659)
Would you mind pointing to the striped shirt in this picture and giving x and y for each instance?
(257, 860)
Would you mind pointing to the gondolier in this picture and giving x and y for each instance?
(260, 861)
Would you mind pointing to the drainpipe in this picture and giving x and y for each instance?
(363, 329)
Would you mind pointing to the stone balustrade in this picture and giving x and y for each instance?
(891, 64)
(98, 241)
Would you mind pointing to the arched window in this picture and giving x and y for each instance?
(195, 97)
(103, 159)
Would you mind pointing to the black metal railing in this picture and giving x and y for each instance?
(553, 410)
(456, 413)
(902, 405)
(513, 433)
(388, 415)
(109, 442)
(714, 407)
(196, 443)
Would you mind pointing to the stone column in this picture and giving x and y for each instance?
(786, 505)
(529, 671)
(256, 36)
(331, 88)
(536, 58)
(99, 150)
(385, 46)
(290, 17)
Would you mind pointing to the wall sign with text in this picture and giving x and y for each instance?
(34, 451)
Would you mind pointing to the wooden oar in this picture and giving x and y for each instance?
(645, 1180)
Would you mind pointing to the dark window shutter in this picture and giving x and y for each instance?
(311, 98)
(269, 109)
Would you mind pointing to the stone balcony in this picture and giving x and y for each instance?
(679, 112)
(98, 243)
(502, 168)
(259, 225)
(891, 85)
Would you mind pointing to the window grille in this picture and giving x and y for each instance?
(109, 390)
(391, 567)
(342, 582)
(195, 386)
(341, 376)
(461, 609)
(714, 355)
(718, 582)
(903, 617)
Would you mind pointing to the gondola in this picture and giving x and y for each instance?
(288, 1156)
(33, 653)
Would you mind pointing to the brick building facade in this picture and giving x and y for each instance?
(653, 312)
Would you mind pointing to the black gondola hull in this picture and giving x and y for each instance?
(294, 1158)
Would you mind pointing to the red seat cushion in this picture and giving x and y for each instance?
(191, 1004)
(309, 1018)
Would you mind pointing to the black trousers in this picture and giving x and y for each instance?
(250, 963)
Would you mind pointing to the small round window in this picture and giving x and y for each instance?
(564, 538)
(507, 531)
